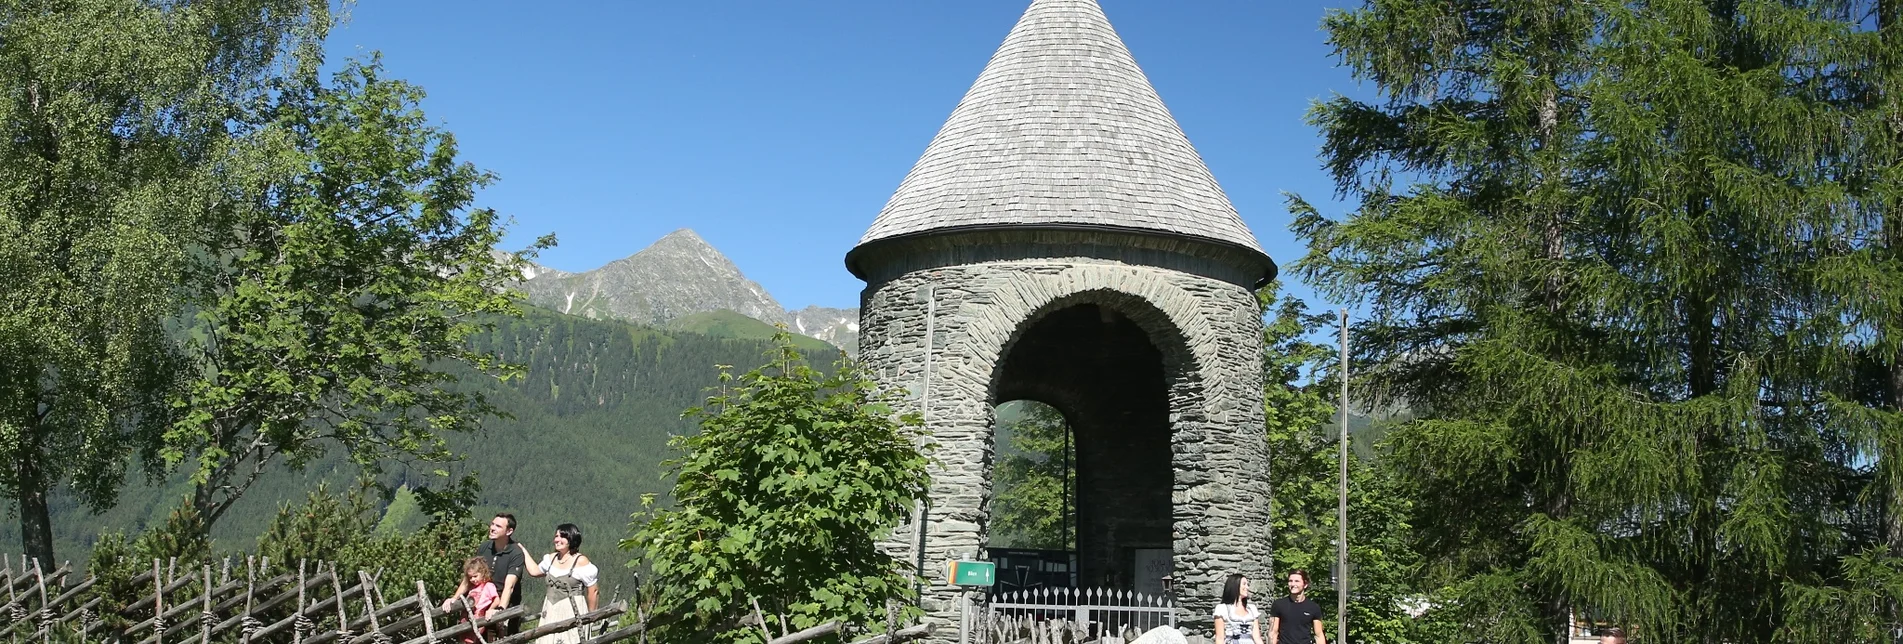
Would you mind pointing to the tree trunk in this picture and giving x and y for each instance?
(1558, 608)
(1553, 237)
(36, 526)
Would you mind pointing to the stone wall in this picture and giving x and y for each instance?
(1208, 332)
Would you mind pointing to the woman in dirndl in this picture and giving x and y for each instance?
(573, 584)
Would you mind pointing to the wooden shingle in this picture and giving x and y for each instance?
(1062, 127)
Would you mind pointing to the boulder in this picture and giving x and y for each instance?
(1161, 635)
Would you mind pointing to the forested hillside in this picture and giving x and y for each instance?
(591, 419)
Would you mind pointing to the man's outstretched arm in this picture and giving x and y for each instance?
(508, 587)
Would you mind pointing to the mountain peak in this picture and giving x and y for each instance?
(679, 274)
(686, 241)
(684, 236)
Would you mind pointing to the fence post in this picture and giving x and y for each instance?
(964, 619)
(422, 600)
(249, 622)
(640, 612)
(298, 619)
(158, 604)
(205, 621)
(1080, 610)
(13, 599)
(370, 608)
(45, 620)
(343, 613)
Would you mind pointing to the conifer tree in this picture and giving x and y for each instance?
(1630, 264)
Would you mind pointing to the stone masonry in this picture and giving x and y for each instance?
(1060, 240)
(1209, 334)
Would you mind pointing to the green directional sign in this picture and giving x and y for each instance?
(971, 573)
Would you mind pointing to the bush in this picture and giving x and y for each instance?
(781, 499)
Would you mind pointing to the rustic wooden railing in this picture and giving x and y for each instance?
(317, 604)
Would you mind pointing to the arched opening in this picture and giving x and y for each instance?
(1101, 370)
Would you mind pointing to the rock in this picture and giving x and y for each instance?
(1161, 635)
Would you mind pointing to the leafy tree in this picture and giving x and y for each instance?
(1035, 482)
(1636, 295)
(115, 114)
(1303, 433)
(351, 271)
(781, 498)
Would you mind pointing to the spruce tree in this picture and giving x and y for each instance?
(1630, 264)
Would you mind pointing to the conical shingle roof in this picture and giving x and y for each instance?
(1062, 128)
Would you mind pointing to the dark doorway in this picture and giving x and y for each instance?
(1106, 377)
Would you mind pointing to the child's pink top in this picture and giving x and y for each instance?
(483, 597)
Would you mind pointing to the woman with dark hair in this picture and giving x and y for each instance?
(1235, 616)
(570, 577)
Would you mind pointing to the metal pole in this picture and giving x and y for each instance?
(925, 416)
(1341, 544)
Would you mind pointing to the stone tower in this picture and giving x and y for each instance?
(1061, 241)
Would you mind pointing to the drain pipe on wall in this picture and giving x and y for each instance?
(925, 415)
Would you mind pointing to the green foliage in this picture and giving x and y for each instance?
(325, 527)
(1034, 481)
(181, 537)
(781, 498)
(1642, 299)
(340, 529)
(351, 273)
(115, 115)
(624, 386)
(728, 324)
(402, 516)
(1303, 431)
(116, 561)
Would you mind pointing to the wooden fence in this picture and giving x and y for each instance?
(318, 604)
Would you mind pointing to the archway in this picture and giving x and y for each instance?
(1103, 371)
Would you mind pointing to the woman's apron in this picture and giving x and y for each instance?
(565, 599)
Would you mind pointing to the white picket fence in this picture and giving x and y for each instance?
(1080, 614)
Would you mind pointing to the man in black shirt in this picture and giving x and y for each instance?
(1294, 619)
(505, 558)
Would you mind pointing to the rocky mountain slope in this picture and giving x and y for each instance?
(680, 275)
(840, 327)
(677, 276)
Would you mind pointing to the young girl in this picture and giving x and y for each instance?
(1235, 616)
(481, 596)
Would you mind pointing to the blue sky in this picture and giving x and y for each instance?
(777, 129)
